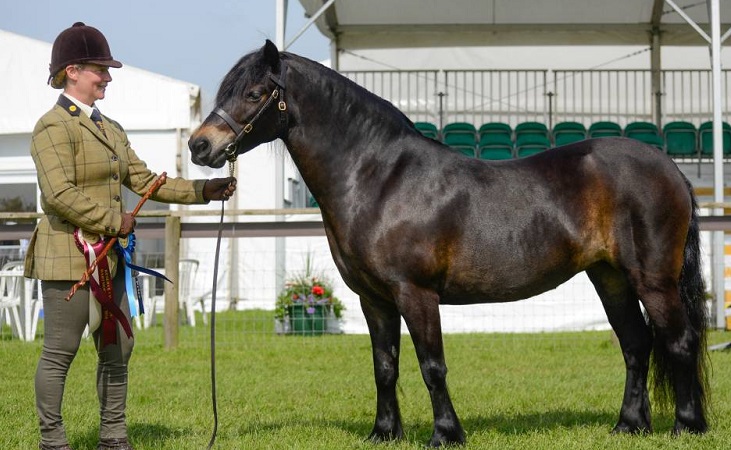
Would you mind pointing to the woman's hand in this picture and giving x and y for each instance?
(128, 225)
(219, 188)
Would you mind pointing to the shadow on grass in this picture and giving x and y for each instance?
(419, 432)
(142, 435)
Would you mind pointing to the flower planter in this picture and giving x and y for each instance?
(308, 320)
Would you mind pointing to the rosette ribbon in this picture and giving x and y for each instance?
(125, 248)
(102, 309)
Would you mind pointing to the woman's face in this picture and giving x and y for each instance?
(87, 82)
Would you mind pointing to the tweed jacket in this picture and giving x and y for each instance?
(80, 175)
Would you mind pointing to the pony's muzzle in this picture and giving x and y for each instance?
(200, 149)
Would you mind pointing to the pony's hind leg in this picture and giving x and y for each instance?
(420, 309)
(678, 359)
(384, 324)
(635, 338)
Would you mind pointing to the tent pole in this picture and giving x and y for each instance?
(718, 236)
(280, 249)
(656, 73)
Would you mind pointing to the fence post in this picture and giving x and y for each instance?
(172, 257)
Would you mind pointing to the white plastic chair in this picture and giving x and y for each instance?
(155, 304)
(187, 271)
(11, 295)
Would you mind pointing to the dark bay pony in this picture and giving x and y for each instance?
(412, 225)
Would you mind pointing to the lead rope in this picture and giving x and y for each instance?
(231, 171)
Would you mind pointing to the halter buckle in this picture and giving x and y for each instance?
(230, 151)
(282, 106)
(247, 129)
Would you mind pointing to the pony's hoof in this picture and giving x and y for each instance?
(377, 437)
(624, 428)
(452, 439)
(696, 428)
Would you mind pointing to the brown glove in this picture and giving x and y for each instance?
(219, 188)
(128, 225)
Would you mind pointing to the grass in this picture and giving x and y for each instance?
(512, 391)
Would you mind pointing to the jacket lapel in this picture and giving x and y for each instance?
(84, 120)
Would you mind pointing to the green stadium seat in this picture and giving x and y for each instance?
(568, 132)
(428, 129)
(530, 144)
(495, 146)
(634, 128)
(462, 143)
(681, 139)
(705, 137)
(646, 132)
(604, 129)
(495, 128)
(656, 141)
(459, 128)
(461, 137)
(531, 128)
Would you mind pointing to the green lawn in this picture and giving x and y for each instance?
(519, 391)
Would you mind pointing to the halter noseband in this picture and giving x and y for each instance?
(241, 131)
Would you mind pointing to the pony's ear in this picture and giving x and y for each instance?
(271, 55)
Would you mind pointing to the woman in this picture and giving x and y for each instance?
(82, 164)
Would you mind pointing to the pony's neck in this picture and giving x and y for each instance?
(337, 125)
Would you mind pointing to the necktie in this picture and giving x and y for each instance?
(97, 118)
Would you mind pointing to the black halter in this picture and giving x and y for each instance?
(241, 131)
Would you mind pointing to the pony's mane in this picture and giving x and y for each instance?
(349, 88)
(251, 68)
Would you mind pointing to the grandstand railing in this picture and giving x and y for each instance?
(548, 96)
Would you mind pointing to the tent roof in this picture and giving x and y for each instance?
(434, 23)
(138, 99)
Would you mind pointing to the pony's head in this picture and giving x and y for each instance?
(250, 109)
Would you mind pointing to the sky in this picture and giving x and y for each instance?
(194, 41)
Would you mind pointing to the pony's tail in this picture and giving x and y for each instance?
(692, 295)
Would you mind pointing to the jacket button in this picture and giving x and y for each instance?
(115, 177)
(116, 198)
(114, 158)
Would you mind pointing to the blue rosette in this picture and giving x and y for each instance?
(125, 248)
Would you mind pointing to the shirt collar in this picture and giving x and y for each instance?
(84, 107)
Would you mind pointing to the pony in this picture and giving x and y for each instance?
(412, 225)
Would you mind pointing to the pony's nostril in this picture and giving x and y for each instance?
(199, 145)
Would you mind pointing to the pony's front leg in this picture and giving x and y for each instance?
(420, 309)
(384, 324)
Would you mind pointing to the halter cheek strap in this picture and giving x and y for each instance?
(241, 131)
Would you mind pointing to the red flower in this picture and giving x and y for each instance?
(318, 290)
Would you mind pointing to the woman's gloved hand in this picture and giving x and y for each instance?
(219, 188)
(128, 225)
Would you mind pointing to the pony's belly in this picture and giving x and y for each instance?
(502, 290)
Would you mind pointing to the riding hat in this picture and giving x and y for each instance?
(80, 44)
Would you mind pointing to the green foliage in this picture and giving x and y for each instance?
(307, 288)
(512, 391)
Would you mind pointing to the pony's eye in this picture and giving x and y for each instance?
(253, 96)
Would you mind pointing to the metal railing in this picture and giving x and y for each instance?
(548, 96)
(237, 226)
